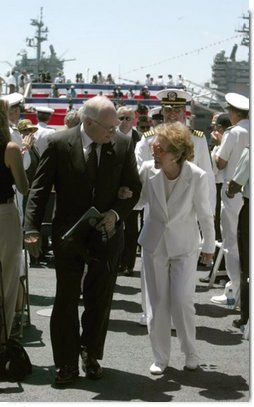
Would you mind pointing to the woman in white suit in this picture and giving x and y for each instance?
(177, 193)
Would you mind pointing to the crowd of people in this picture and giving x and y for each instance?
(153, 181)
(16, 81)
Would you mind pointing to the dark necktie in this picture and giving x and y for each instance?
(92, 163)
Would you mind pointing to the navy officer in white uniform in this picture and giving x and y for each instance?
(234, 140)
(41, 136)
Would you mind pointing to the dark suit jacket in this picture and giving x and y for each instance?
(135, 137)
(63, 166)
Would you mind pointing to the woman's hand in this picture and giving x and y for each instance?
(206, 258)
(27, 142)
(32, 242)
(124, 193)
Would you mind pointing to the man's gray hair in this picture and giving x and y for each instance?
(72, 118)
(125, 109)
(92, 107)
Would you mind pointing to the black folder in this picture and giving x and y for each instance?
(84, 225)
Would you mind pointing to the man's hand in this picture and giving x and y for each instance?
(32, 242)
(216, 138)
(107, 224)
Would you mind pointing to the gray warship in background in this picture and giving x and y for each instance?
(51, 64)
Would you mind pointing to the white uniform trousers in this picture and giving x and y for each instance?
(142, 272)
(230, 209)
(170, 284)
(10, 258)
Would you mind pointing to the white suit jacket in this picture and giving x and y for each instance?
(201, 158)
(175, 221)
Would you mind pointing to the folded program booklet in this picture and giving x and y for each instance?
(84, 224)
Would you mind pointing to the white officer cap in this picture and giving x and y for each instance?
(238, 101)
(44, 109)
(156, 110)
(13, 98)
(173, 97)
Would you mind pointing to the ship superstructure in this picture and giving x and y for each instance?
(51, 64)
(230, 75)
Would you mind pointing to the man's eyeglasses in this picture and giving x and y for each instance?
(111, 129)
(127, 118)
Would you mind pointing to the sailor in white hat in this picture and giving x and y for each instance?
(41, 136)
(44, 109)
(160, 81)
(15, 100)
(156, 115)
(173, 108)
(237, 101)
(234, 140)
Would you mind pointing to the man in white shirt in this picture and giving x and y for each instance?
(241, 183)
(44, 131)
(233, 142)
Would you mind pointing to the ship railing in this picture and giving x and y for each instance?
(205, 96)
(28, 90)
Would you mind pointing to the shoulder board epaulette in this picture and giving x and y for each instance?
(198, 133)
(149, 133)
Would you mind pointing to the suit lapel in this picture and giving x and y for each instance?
(107, 158)
(159, 189)
(75, 147)
(180, 186)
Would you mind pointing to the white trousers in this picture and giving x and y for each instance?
(170, 284)
(10, 258)
(230, 209)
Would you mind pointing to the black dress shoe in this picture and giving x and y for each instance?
(91, 367)
(66, 375)
(237, 323)
(128, 272)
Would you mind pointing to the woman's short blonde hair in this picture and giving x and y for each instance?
(178, 138)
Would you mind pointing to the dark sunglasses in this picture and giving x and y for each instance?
(144, 127)
(128, 119)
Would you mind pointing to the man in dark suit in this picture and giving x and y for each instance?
(126, 115)
(65, 164)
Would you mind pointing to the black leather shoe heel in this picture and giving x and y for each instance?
(66, 375)
(91, 368)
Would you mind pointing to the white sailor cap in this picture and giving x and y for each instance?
(44, 109)
(173, 97)
(238, 101)
(155, 111)
(13, 98)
